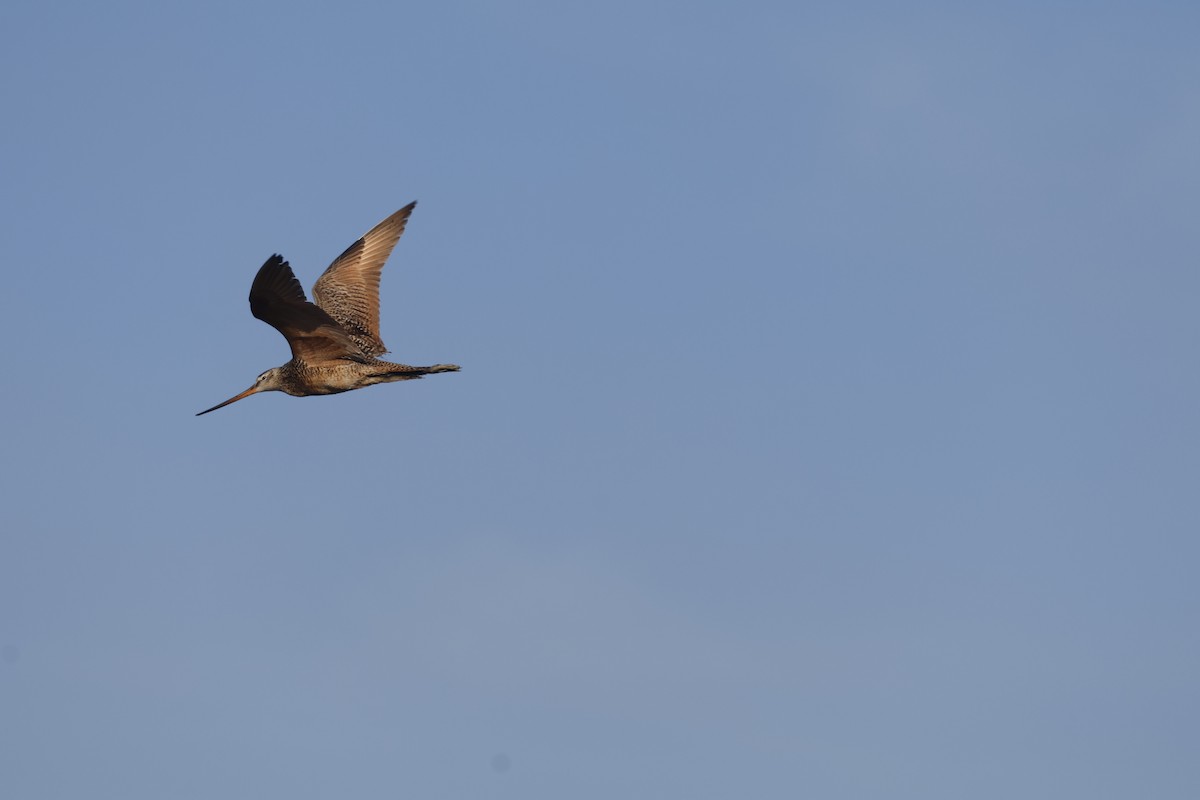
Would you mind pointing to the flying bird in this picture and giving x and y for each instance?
(336, 340)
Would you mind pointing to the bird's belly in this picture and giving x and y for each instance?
(329, 380)
(318, 388)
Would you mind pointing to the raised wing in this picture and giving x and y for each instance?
(349, 289)
(277, 298)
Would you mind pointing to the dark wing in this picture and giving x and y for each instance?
(277, 298)
(349, 290)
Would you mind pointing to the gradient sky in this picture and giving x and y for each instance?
(827, 424)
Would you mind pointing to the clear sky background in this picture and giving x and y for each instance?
(826, 428)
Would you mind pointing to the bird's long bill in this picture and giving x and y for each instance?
(234, 399)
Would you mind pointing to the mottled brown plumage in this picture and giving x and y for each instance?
(334, 341)
(349, 289)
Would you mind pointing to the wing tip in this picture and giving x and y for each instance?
(404, 213)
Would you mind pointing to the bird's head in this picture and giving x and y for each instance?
(269, 381)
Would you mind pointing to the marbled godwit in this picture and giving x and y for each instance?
(334, 342)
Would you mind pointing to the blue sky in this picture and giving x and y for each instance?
(826, 428)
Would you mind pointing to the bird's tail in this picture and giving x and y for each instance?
(419, 371)
(402, 372)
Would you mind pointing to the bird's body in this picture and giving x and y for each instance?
(336, 340)
(301, 380)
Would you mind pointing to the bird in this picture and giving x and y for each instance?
(335, 341)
